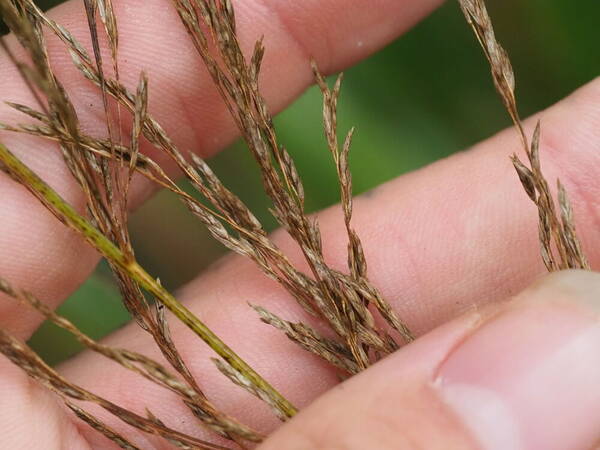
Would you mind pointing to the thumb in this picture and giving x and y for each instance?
(524, 375)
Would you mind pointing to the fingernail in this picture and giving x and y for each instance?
(529, 378)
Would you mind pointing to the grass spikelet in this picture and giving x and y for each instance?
(560, 247)
(101, 427)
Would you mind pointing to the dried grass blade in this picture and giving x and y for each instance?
(91, 7)
(310, 340)
(139, 117)
(101, 427)
(241, 380)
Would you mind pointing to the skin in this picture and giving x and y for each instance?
(409, 400)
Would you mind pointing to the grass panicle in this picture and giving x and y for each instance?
(357, 325)
(560, 247)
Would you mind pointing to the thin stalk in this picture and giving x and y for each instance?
(67, 214)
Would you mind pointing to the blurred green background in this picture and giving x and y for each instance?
(425, 96)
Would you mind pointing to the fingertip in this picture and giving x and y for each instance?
(526, 378)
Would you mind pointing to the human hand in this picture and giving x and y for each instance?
(448, 213)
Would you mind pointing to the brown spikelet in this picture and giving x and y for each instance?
(101, 427)
(560, 246)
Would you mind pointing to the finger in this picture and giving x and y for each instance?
(40, 254)
(458, 234)
(520, 377)
(31, 416)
